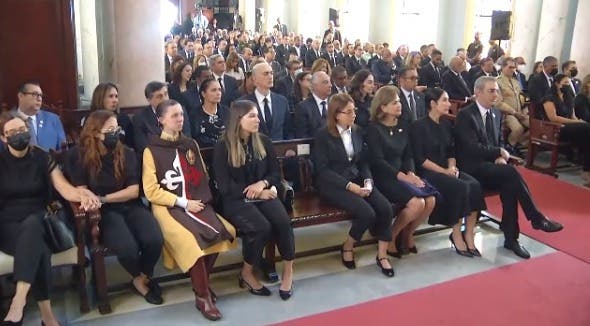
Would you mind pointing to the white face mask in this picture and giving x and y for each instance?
(521, 68)
(497, 67)
(298, 71)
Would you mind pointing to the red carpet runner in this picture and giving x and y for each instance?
(550, 290)
(564, 202)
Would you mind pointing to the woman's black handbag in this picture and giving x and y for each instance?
(59, 236)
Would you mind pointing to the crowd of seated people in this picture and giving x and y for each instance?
(375, 145)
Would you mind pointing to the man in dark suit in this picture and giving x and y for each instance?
(245, 59)
(519, 75)
(335, 33)
(229, 85)
(486, 68)
(171, 52)
(278, 70)
(570, 69)
(453, 81)
(333, 58)
(339, 78)
(311, 114)
(540, 84)
(312, 54)
(431, 73)
(479, 153)
(189, 51)
(285, 85)
(281, 27)
(145, 122)
(273, 108)
(383, 69)
(283, 51)
(413, 106)
(355, 62)
(303, 50)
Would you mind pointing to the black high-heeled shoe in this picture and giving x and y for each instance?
(350, 264)
(286, 295)
(464, 253)
(473, 251)
(263, 291)
(386, 271)
(11, 323)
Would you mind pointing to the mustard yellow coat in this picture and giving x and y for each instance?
(180, 246)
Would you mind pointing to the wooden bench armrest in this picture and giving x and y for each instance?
(82, 218)
(544, 130)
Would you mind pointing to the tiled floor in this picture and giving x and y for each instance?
(321, 284)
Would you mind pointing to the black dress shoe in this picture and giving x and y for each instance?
(11, 323)
(263, 291)
(153, 298)
(350, 264)
(473, 251)
(155, 287)
(286, 295)
(546, 225)
(518, 250)
(386, 271)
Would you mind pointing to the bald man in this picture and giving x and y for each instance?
(453, 81)
(383, 69)
(273, 108)
(310, 115)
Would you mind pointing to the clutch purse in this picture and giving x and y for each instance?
(59, 236)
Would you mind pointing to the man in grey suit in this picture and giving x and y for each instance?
(413, 106)
(273, 108)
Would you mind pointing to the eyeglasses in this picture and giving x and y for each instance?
(12, 132)
(34, 94)
(110, 130)
(511, 67)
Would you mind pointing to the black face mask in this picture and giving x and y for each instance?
(19, 141)
(553, 72)
(574, 72)
(111, 139)
(565, 89)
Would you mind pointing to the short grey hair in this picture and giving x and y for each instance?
(212, 58)
(482, 81)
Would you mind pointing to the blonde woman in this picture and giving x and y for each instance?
(247, 174)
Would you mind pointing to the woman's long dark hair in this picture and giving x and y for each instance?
(568, 96)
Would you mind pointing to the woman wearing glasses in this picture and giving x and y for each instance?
(26, 175)
(102, 164)
(344, 180)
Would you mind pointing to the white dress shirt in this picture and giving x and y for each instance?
(260, 99)
(346, 136)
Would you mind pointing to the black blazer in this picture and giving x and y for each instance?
(472, 145)
(456, 89)
(337, 57)
(230, 91)
(303, 53)
(145, 124)
(429, 77)
(231, 181)
(308, 118)
(420, 106)
(332, 167)
(353, 65)
(282, 125)
(582, 107)
(284, 86)
(538, 88)
(310, 57)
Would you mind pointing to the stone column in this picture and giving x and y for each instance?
(88, 41)
(248, 13)
(131, 47)
(455, 26)
(526, 18)
(381, 28)
(580, 50)
(552, 29)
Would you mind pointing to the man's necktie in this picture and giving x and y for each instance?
(267, 115)
(32, 131)
(333, 60)
(220, 84)
(413, 107)
(490, 129)
(323, 104)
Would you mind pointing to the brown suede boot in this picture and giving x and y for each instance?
(203, 300)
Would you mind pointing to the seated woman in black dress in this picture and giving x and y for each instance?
(362, 86)
(106, 97)
(344, 180)
(247, 174)
(559, 107)
(110, 170)
(182, 89)
(434, 155)
(393, 168)
(301, 89)
(26, 175)
(208, 120)
(582, 101)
